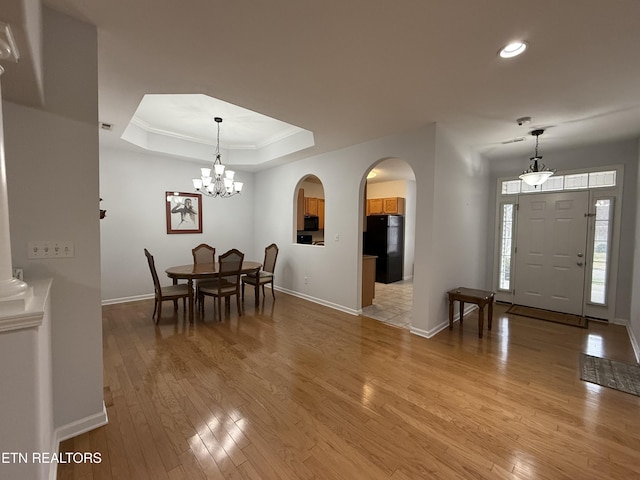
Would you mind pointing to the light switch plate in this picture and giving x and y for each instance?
(50, 249)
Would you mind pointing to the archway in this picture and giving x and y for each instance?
(389, 211)
(309, 211)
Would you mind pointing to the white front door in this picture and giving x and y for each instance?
(550, 251)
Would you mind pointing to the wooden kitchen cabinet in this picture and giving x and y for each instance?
(375, 206)
(385, 206)
(368, 279)
(393, 205)
(321, 213)
(300, 210)
(311, 206)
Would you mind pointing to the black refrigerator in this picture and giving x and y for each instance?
(384, 238)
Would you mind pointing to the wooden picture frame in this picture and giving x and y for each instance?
(184, 212)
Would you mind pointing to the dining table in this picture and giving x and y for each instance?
(201, 271)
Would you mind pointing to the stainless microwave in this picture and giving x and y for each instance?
(311, 223)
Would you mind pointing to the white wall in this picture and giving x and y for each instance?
(460, 217)
(407, 190)
(26, 402)
(333, 272)
(52, 172)
(312, 189)
(410, 228)
(132, 187)
(395, 188)
(634, 317)
(624, 152)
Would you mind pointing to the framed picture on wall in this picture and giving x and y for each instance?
(184, 212)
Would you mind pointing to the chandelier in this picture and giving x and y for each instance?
(537, 173)
(221, 184)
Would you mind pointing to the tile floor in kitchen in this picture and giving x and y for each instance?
(392, 303)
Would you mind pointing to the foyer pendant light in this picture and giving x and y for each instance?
(222, 183)
(537, 173)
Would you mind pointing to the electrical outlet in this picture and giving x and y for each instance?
(306, 280)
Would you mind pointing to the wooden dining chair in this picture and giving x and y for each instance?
(227, 284)
(266, 274)
(171, 292)
(203, 253)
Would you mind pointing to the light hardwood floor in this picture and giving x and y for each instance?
(299, 391)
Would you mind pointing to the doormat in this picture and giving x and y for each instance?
(609, 373)
(548, 315)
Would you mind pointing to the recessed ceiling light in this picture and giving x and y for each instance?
(371, 174)
(513, 49)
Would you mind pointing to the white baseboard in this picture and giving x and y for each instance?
(74, 429)
(431, 332)
(620, 321)
(634, 342)
(442, 325)
(83, 425)
(632, 338)
(319, 301)
(135, 298)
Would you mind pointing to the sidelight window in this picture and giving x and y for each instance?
(601, 250)
(506, 245)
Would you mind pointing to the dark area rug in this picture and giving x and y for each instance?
(549, 316)
(609, 373)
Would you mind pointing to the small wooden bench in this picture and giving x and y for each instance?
(470, 295)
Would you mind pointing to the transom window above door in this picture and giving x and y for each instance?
(558, 183)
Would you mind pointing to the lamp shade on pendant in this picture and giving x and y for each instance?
(536, 178)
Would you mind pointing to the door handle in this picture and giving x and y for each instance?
(580, 254)
(579, 264)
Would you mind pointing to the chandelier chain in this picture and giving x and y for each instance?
(537, 173)
(218, 121)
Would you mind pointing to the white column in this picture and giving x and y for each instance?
(10, 288)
